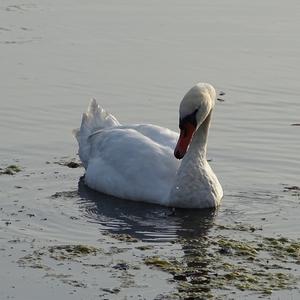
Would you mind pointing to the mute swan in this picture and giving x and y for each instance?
(137, 162)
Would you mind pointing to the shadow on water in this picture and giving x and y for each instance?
(144, 221)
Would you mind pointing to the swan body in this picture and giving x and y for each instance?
(138, 162)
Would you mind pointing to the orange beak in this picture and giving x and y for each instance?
(186, 134)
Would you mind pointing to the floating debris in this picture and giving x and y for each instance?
(123, 266)
(70, 163)
(144, 247)
(63, 252)
(73, 164)
(221, 94)
(292, 188)
(11, 170)
(68, 194)
(111, 291)
(295, 190)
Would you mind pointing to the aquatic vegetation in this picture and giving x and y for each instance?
(57, 252)
(171, 266)
(68, 194)
(237, 227)
(222, 264)
(121, 237)
(231, 260)
(62, 252)
(240, 247)
(70, 163)
(283, 248)
(33, 260)
(11, 170)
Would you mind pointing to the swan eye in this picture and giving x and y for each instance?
(191, 118)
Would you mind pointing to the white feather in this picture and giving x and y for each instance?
(136, 162)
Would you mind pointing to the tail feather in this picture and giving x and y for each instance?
(96, 118)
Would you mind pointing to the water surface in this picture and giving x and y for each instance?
(138, 59)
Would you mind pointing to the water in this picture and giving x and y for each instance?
(138, 59)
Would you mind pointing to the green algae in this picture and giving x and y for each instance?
(11, 170)
(57, 252)
(237, 227)
(170, 266)
(240, 247)
(210, 267)
(69, 194)
(218, 264)
(33, 260)
(283, 248)
(63, 252)
(121, 237)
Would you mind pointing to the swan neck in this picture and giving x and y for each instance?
(195, 184)
(199, 142)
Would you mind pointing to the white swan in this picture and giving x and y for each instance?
(136, 162)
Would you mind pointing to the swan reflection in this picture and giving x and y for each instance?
(144, 221)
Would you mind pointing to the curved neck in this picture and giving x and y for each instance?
(197, 148)
(195, 184)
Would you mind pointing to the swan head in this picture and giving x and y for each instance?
(194, 109)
